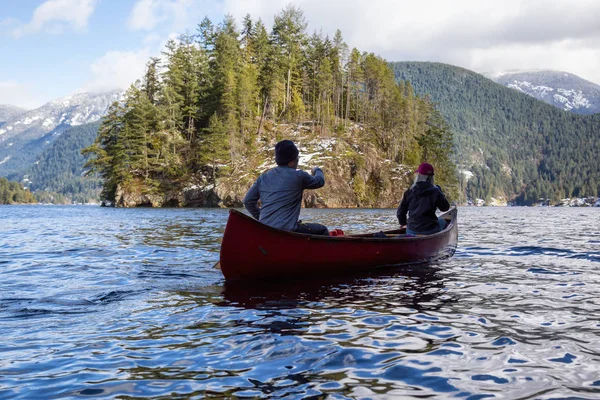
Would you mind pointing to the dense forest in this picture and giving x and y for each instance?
(515, 145)
(57, 175)
(14, 193)
(216, 96)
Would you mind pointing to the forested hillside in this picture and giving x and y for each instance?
(206, 115)
(514, 145)
(59, 169)
(27, 134)
(14, 193)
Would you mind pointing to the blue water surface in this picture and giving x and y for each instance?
(117, 303)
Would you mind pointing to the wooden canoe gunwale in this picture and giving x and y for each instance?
(358, 237)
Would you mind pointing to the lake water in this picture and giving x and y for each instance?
(101, 302)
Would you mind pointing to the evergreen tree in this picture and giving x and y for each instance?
(206, 35)
(215, 145)
(14, 193)
(289, 37)
(206, 108)
(110, 161)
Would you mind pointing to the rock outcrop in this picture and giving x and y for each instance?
(357, 174)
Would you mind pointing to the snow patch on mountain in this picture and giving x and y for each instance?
(48, 122)
(528, 87)
(577, 97)
(76, 109)
(29, 120)
(563, 90)
(30, 131)
(8, 112)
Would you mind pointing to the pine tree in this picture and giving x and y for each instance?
(151, 80)
(226, 66)
(110, 161)
(206, 35)
(338, 56)
(266, 69)
(215, 145)
(289, 37)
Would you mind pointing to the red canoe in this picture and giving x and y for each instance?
(252, 250)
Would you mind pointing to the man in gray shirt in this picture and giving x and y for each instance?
(280, 192)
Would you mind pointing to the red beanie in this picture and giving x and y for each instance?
(425, 169)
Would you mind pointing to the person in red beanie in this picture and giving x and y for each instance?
(280, 192)
(420, 202)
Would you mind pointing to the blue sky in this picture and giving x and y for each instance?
(76, 44)
(51, 48)
(55, 59)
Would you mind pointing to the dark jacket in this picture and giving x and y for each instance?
(421, 202)
(280, 192)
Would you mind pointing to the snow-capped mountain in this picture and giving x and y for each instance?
(24, 136)
(73, 110)
(8, 112)
(561, 89)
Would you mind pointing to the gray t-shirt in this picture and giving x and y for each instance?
(280, 192)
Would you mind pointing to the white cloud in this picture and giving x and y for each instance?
(18, 94)
(179, 15)
(475, 34)
(562, 56)
(54, 15)
(117, 70)
(144, 15)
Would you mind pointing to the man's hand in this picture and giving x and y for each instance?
(313, 170)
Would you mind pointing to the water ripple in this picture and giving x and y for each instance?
(110, 303)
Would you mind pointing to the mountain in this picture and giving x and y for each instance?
(509, 145)
(8, 112)
(59, 168)
(24, 136)
(561, 89)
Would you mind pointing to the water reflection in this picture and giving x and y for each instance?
(189, 234)
(415, 286)
(349, 335)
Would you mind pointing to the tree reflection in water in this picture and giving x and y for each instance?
(416, 287)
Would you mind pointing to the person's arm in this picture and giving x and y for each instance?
(251, 201)
(442, 202)
(314, 181)
(403, 209)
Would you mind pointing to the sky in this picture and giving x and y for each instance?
(52, 48)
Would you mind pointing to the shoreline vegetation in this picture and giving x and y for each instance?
(200, 125)
(13, 193)
(577, 202)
